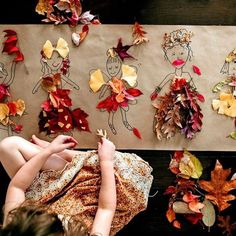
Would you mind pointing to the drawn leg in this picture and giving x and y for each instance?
(111, 122)
(124, 119)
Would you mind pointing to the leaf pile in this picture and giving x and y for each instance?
(187, 198)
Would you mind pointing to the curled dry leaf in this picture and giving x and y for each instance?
(139, 34)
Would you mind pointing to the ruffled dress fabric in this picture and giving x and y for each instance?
(73, 192)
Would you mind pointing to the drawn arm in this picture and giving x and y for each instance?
(36, 87)
(12, 75)
(70, 82)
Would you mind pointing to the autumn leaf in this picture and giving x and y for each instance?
(196, 70)
(122, 50)
(170, 215)
(137, 133)
(226, 225)
(139, 34)
(218, 188)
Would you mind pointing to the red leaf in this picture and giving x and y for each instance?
(17, 128)
(85, 28)
(170, 190)
(178, 62)
(137, 133)
(10, 45)
(200, 97)
(96, 22)
(12, 107)
(134, 92)
(19, 57)
(110, 104)
(122, 50)
(9, 32)
(194, 218)
(46, 105)
(196, 70)
(154, 95)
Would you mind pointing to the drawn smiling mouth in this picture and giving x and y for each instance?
(55, 64)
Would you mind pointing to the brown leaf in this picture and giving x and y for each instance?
(218, 188)
(225, 224)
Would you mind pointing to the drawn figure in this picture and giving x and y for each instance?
(9, 108)
(120, 81)
(226, 104)
(56, 115)
(178, 109)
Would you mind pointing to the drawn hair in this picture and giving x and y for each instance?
(180, 37)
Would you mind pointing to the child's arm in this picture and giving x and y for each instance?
(107, 194)
(24, 177)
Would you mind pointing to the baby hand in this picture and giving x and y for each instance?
(60, 143)
(106, 150)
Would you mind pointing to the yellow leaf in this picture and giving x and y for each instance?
(190, 166)
(43, 7)
(129, 74)
(20, 107)
(96, 80)
(4, 111)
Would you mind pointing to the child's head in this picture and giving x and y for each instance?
(35, 221)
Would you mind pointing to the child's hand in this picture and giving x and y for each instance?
(60, 143)
(106, 150)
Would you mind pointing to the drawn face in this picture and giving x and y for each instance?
(178, 53)
(232, 67)
(55, 62)
(3, 73)
(113, 66)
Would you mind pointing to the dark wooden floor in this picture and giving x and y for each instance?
(189, 12)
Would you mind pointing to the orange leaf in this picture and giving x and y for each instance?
(177, 224)
(218, 188)
(196, 206)
(139, 34)
(170, 215)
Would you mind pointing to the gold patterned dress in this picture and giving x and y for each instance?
(73, 192)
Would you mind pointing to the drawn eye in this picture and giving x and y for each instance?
(109, 68)
(116, 67)
(173, 54)
(181, 53)
(234, 61)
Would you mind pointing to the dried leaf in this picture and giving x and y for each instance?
(170, 215)
(122, 50)
(139, 34)
(226, 225)
(209, 214)
(177, 224)
(10, 45)
(195, 206)
(233, 135)
(180, 207)
(196, 70)
(190, 166)
(218, 188)
(137, 133)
